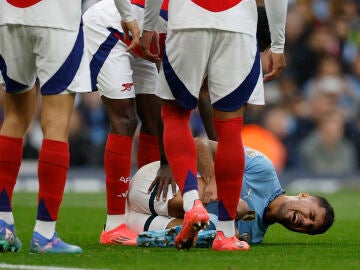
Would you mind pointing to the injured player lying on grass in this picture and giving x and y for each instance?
(263, 202)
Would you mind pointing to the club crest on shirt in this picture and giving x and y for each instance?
(249, 216)
(253, 153)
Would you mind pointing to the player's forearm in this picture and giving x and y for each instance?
(205, 159)
(125, 9)
(276, 13)
(151, 15)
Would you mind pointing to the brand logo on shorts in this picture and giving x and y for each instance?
(127, 86)
(23, 3)
(216, 5)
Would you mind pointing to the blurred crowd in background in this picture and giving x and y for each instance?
(311, 120)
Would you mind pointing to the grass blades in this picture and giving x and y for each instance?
(82, 218)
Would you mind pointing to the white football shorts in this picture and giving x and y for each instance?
(115, 73)
(138, 222)
(144, 212)
(138, 198)
(230, 60)
(56, 57)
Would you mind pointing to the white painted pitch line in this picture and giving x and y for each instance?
(38, 267)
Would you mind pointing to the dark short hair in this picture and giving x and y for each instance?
(263, 32)
(329, 215)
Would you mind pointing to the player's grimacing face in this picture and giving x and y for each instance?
(303, 214)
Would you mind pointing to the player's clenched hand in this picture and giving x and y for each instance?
(163, 179)
(276, 64)
(149, 44)
(133, 28)
(242, 209)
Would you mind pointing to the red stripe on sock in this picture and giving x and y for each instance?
(179, 143)
(229, 164)
(117, 163)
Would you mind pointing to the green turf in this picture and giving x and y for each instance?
(82, 217)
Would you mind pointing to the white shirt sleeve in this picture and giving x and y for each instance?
(276, 11)
(125, 9)
(152, 11)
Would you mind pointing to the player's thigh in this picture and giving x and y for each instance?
(234, 70)
(148, 108)
(139, 200)
(17, 61)
(122, 115)
(146, 81)
(145, 75)
(139, 222)
(19, 111)
(138, 196)
(184, 65)
(61, 61)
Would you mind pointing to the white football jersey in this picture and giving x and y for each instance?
(61, 14)
(107, 14)
(229, 15)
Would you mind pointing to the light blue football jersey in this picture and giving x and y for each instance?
(260, 187)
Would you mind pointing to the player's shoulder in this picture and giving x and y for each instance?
(257, 160)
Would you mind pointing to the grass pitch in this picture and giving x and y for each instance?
(82, 217)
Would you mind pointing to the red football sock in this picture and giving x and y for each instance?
(148, 149)
(54, 158)
(180, 147)
(229, 165)
(10, 161)
(117, 163)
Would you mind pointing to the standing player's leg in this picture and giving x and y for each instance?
(181, 153)
(117, 164)
(177, 83)
(111, 75)
(148, 108)
(229, 171)
(19, 111)
(61, 73)
(230, 87)
(17, 67)
(53, 165)
(206, 111)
